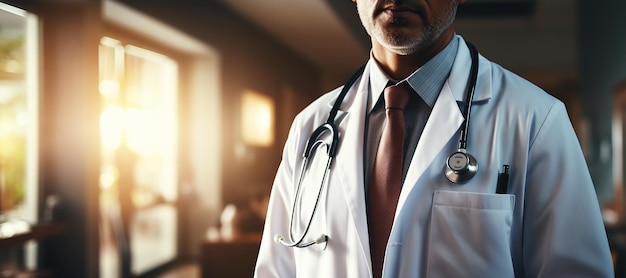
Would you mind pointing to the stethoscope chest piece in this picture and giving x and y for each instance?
(461, 167)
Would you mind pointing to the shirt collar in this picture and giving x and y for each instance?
(427, 80)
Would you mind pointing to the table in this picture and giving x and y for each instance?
(231, 258)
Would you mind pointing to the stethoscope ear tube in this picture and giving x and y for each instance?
(322, 239)
(314, 142)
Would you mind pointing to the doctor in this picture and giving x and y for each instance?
(544, 222)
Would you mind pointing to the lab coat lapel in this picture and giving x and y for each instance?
(443, 123)
(349, 160)
(446, 117)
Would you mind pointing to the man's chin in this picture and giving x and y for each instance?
(400, 49)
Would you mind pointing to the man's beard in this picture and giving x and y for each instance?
(402, 43)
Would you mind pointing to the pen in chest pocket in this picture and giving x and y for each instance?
(503, 181)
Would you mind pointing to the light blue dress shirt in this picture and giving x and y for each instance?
(427, 82)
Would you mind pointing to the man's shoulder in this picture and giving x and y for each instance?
(323, 103)
(510, 85)
(316, 112)
(519, 98)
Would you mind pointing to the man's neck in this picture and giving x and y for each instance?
(398, 66)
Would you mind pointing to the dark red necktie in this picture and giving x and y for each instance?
(386, 180)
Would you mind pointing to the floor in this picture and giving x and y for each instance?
(188, 270)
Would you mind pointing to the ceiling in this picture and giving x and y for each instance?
(312, 28)
(523, 35)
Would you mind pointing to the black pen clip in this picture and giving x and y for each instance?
(503, 181)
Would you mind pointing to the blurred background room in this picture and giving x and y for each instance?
(140, 138)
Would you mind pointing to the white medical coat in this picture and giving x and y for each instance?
(549, 225)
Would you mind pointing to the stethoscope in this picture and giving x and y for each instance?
(460, 165)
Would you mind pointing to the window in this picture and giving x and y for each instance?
(19, 91)
(139, 175)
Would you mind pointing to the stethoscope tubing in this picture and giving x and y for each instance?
(297, 199)
(312, 143)
(469, 96)
(315, 142)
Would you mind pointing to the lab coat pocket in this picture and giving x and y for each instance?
(470, 235)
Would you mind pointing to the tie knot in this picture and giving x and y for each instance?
(397, 96)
